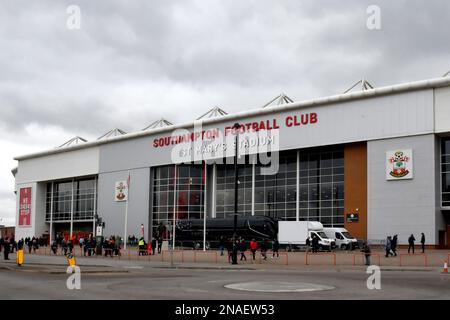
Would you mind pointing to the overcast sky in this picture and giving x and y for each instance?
(133, 62)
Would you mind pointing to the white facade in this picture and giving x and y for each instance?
(410, 116)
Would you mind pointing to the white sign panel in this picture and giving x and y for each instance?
(399, 164)
(99, 231)
(121, 191)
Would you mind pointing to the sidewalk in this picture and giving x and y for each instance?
(432, 258)
(58, 264)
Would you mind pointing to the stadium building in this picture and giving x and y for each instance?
(375, 161)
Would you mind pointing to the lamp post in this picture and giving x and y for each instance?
(236, 184)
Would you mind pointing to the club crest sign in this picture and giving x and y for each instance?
(121, 191)
(399, 164)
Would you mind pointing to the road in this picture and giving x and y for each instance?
(131, 280)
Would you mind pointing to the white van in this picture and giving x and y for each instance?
(294, 233)
(344, 240)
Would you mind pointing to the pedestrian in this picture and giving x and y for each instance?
(230, 249)
(6, 248)
(70, 246)
(276, 247)
(388, 247)
(19, 254)
(264, 249)
(54, 247)
(367, 252)
(253, 247)
(64, 246)
(422, 242)
(160, 242)
(315, 244)
(154, 245)
(235, 252)
(411, 240)
(2, 241)
(308, 244)
(242, 249)
(141, 247)
(394, 242)
(221, 245)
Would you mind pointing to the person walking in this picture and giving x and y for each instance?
(367, 253)
(141, 247)
(388, 247)
(394, 242)
(264, 249)
(64, 246)
(315, 244)
(308, 245)
(422, 242)
(253, 247)
(411, 240)
(276, 247)
(235, 252)
(221, 245)
(6, 248)
(160, 242)
(242, 249)
(154, 245)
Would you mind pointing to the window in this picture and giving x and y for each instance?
(190, 195)
(445, 171)
(83, 202)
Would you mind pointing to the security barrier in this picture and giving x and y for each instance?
(320, 254)
(174, 251)
(363, 255)
(424, 255)
(214, 253)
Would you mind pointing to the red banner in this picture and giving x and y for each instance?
(25, 207)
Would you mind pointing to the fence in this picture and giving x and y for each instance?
(424, 255)
(362, 254)
(320, 254)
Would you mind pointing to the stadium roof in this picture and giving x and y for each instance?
(278, 100)
(158, 124)
(213, 113)
(162, 125)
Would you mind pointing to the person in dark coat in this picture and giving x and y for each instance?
(235, 250)
(221, 245)
(411, 240)
(242, 249)
(54, 247)
(6, 248)
(2, 241)
(160, 242)
(367, 253)
(308, 244)
(264, 249)
(154, 243)
(315, 244)
(394, 242)
(422, 242)
(276, 247)
(388, 247)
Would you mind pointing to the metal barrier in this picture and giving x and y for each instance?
(414, 255)
(363, 254)
(320, 254)
(206, 252)
(174, 251)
